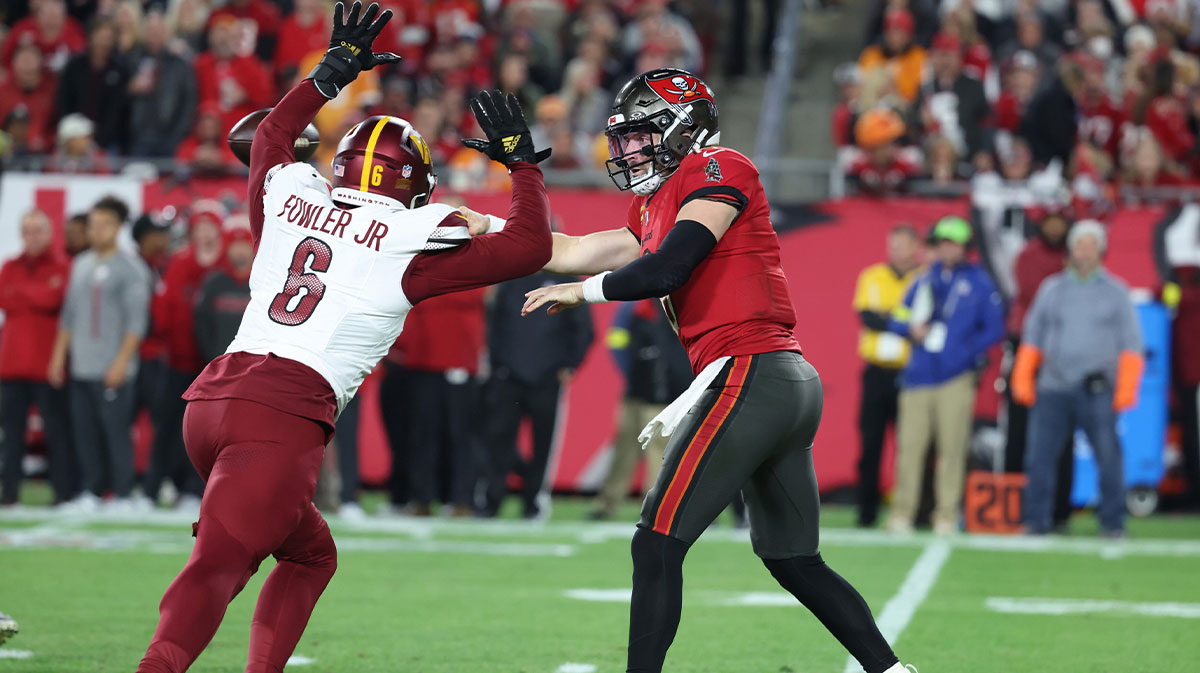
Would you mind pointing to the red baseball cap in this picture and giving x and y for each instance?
(899, 19)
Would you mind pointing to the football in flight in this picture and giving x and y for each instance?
(242, 133)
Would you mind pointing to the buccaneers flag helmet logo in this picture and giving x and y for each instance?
(676, 89)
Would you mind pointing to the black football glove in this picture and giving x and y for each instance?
(507, 132)
(350, 48)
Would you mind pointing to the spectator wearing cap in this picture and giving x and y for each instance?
(163, 88)
(898, 53)
(95, 83)
(1044, 255)
(185, 273)
(952, 314)
(951, 103)
(879, 290)
(1082, 342)
(262, 14)
(237, 83)
(103, 322)
(33, 286)
(55, 35)
(924, 12)
(77, 151)
(882, 166)
(29, 86)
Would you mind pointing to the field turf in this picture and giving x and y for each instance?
(442, 596)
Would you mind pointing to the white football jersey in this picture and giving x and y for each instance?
(325, 288)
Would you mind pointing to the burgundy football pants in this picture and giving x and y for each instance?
(261, 467)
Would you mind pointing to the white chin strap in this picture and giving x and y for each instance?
(648, 185)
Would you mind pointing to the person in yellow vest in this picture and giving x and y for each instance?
(880, 289)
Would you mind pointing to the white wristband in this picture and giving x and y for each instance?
(593, 289)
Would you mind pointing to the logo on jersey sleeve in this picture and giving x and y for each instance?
(712, 171)
(677, 89)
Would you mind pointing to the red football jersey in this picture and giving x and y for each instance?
(736, 301)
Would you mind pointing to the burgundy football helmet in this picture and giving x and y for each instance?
(383, 160)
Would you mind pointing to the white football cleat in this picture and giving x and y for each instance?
(901, 668)
(8, 627)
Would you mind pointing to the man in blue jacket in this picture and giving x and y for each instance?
(952, 313)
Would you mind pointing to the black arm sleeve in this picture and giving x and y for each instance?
(661, 273)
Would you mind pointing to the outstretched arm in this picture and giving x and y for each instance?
(697, 230)
(593, 253)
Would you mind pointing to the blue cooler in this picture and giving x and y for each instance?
(1143, 429)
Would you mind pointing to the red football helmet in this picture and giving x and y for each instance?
(383, 160)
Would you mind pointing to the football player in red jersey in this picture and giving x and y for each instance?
(337, 268)
(699, 236)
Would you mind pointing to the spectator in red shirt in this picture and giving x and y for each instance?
(1159, 110)
(185, 274)
(32, 289)
(206, 150)
(77, 151)
(32, 87)
(882, 167)
(54, 33)
(238, 83)
(263, 14)
(442, 386)
(1185, 368)
(152, 235)
(304, 31)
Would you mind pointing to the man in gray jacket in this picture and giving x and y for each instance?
(1083, 333)
(102, 324)
(163, 88)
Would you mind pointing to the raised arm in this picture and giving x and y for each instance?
(349, 53)
(523, 246)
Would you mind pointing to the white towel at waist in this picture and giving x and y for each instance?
(667, 419)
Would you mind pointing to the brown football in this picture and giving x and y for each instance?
(242, 134)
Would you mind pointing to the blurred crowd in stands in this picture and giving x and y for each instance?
(1094, 102)
(84, 83)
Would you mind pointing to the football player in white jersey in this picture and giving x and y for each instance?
(338, 266)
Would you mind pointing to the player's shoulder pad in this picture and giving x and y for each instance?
(718, 174)
(291, 175)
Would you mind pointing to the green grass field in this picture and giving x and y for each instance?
(441, 596)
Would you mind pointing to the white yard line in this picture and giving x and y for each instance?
(6, 653)
(899, 611)
(573, 667)
(299, 660)
(1074, 606)
(578, 532)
